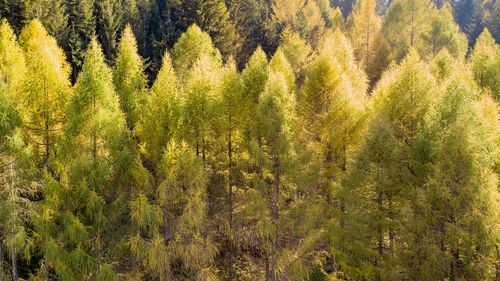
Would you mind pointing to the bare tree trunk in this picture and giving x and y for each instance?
(230, 265)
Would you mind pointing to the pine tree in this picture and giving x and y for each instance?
(384, 173)
(81, 27)
(52, 14)
(364, 32)
(485, 60)
(212, 16)
(445, 33)
(129, 78)
(91, 154)
(109, 22)
(46, 92)
(14, 11)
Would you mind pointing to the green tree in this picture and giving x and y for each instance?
(449, 236)
(192, 45)
(485, 61)
(15, 208)
(364, 32)
(108, 21)
(384, 174)
(129, 78)
(159, 120)
(46, 92)
(404, 24)
(52, 14)
(213, 17)
(444, 33)
(275, 124)
(90, 160)
(81, 27)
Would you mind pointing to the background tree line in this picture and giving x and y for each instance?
(236, 27)
(251, 140)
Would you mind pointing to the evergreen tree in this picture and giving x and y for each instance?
(46, 92)
(212, 16)
(81, 27)
(14, 11)
(108, 21)
(485, 62)
(128, 77)
(296, 50)
(52, 14)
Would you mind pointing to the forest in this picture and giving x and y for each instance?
(276, 140)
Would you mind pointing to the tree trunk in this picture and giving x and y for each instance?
(275, 213)
(14, 264)
(230, 265)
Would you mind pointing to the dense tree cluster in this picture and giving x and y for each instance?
(249, 140)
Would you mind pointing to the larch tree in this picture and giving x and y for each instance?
(88, 182)
(190, 47)
(332, 105)
(15, 206)
(296, 50)
(275, 123)
(364, 32)
(46, 92)
(404, 24)
(444, 33)
(159, 120)
(384, 174)
(485, 62)
(129, 78)
(182, 197)
(452, 226)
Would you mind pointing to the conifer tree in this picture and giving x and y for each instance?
(201, 90)
(254, 76)
(384, 173)
(444, 33)
(364, 32)
(92, 151)
(52, 14)
(296, 50)
(160, 116)
(213, 17)
(485, 60)
(404, 24)
(191, 46)
(129, 78)
(81, 27)
(275, 124)
(15, 208)
(14, 11)
(457, 153)
(108, 14)
(46, 92)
